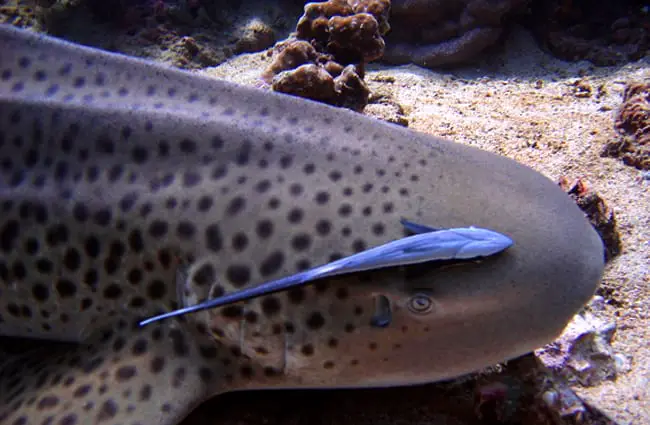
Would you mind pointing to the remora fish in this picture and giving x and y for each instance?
(117, 173)
(427, 245)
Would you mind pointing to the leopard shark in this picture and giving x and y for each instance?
(130, 189)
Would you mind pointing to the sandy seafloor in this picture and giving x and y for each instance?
(521, 102)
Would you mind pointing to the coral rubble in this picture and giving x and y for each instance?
(324, 59)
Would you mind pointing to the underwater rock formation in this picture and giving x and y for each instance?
(430, 33)
(324, 59)
(633, 124)
(189, 34)
(435, 33)
(603, 32)
(600, 215)
(583, 354)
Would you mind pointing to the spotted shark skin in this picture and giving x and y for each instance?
(118, 175)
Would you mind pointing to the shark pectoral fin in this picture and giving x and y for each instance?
(153, 376)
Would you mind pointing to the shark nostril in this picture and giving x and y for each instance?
(383, 314)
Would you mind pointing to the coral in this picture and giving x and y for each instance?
(633, 123)
(288, 55)
(300, 70)
(355, 39)
(314, 23)
(309, 80)
(324, 59)
(255, 36)
(351, 89)
(435, 33)
(379, 9)
(600, 215)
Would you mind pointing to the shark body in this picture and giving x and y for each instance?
(128, 189)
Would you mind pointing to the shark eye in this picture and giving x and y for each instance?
(420, 304)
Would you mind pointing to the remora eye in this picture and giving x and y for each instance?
(420, 304)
